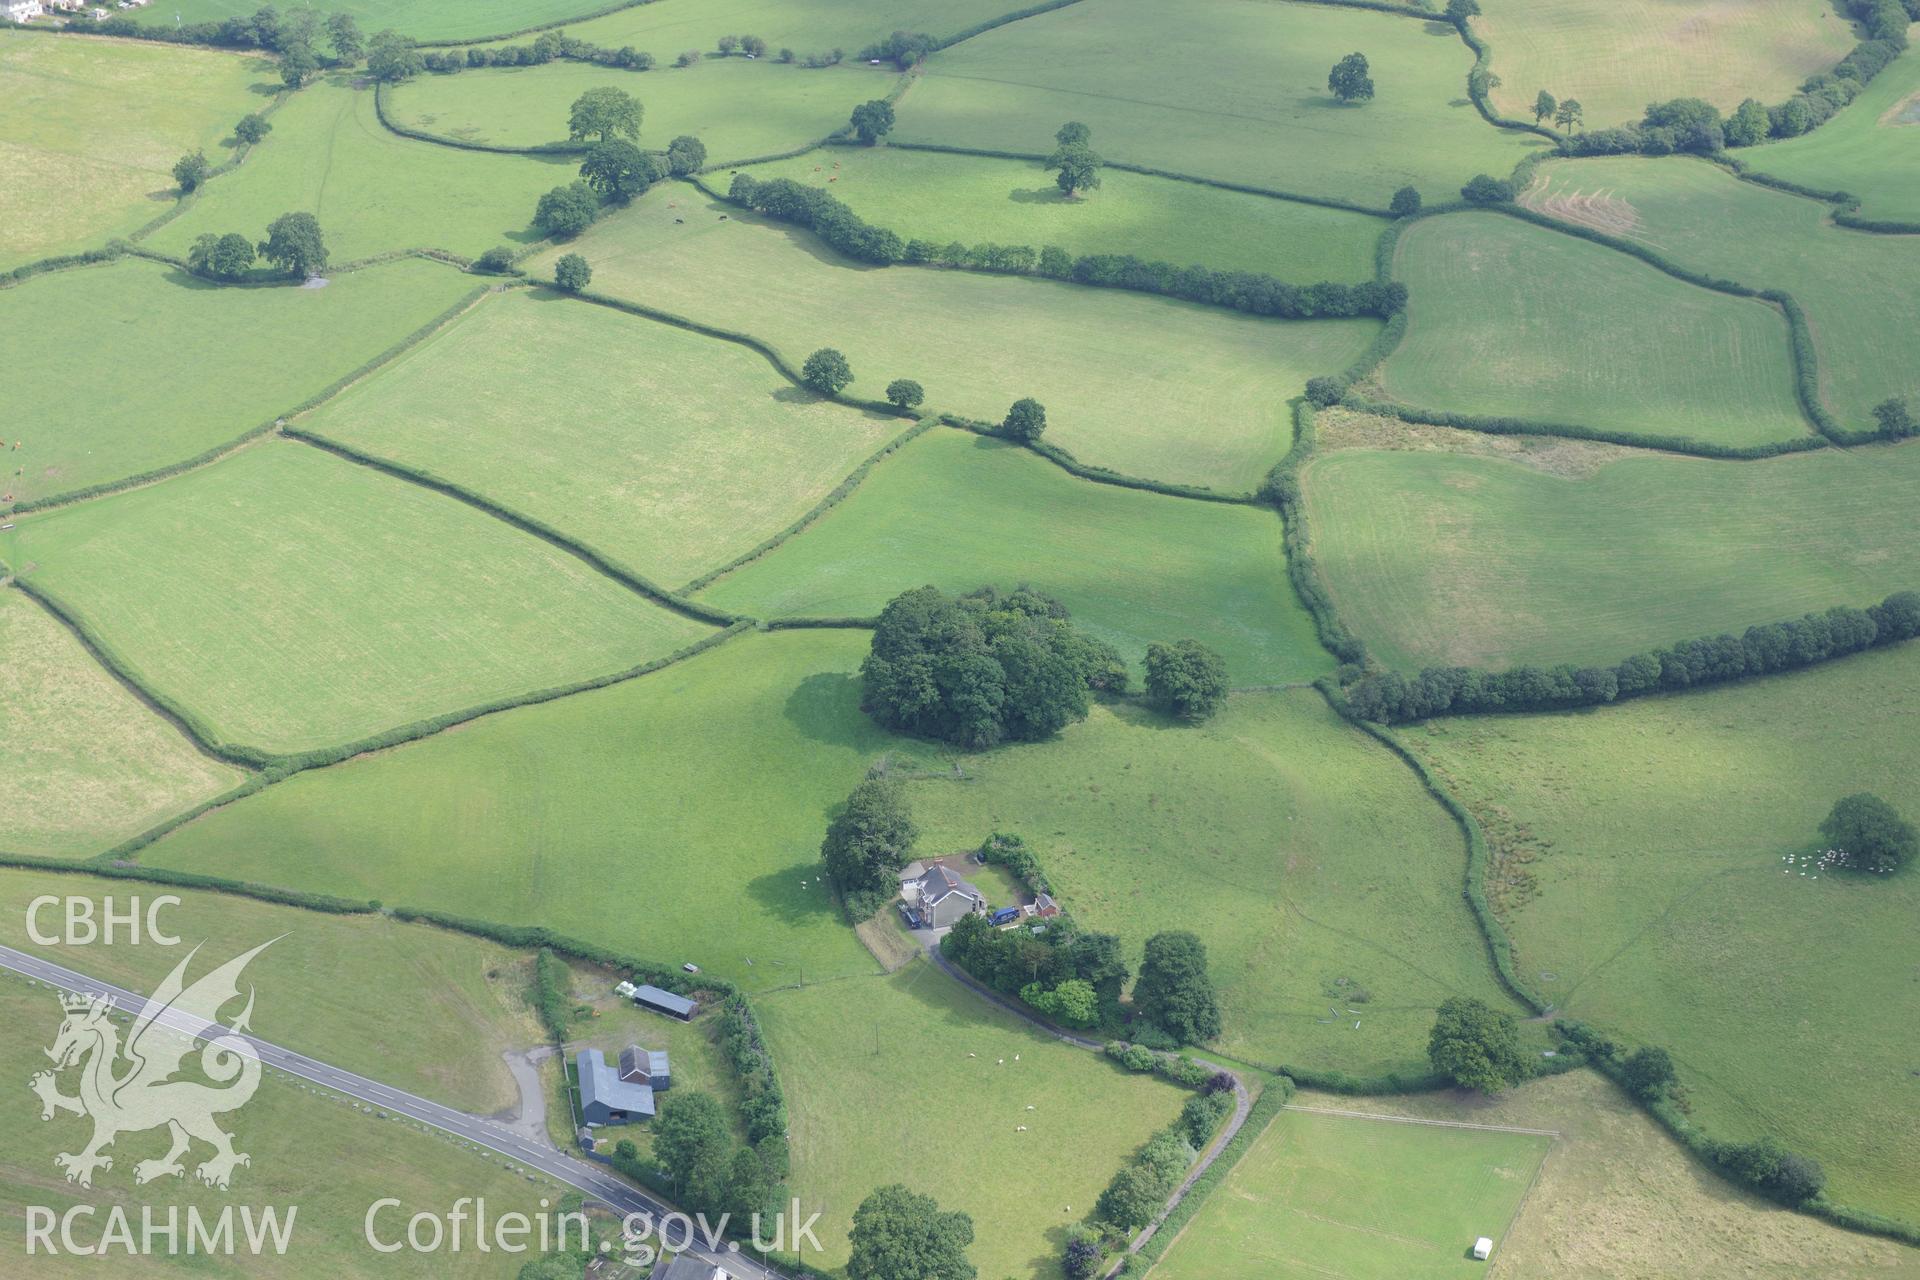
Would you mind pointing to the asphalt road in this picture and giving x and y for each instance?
(595, 1181)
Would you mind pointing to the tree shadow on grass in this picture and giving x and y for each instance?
(780, 894)
(825, 707)
(1040, 195)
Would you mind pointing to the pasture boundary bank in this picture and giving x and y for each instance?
(1704, 1148)
(1845, 204)
(1806, 374)
(596, 560)
(833, 499)
(1282, 488)
(1100, 475)
(253, 435)
(387, 122)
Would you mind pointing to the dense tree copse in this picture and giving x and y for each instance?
(905, 49)
(1174, 991)
(1186, 679)
(225, 257)
(392, 58)
(1388, 697)
(1649, 1072)
(983, 668)
(1476, 1046)
(812, 207)
(1073, 977)
(1894, 420)
(1869, 834)
(1484, 188)
(343, 33)
(901, 1235)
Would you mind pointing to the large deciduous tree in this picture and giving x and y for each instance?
(1869, 833)
(1175, 991)
(868, 841)
(618, 170)
(1186, 679)
(604, 112)
(567, 211)
(1476, 1046)
(295, 245)
(1349, 80)
(901, 1235)
(827, 372)
(873, 120)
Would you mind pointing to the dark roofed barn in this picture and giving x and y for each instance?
(650, 997)
(607, 1099)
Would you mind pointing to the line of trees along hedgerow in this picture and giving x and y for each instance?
(1387, 697)
(1693, 124)
(1248, 291)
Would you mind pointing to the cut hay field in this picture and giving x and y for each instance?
(308, 1150)
(1234, 90)
(1446, 557)
(1616, 1196)
(293, 600)
(1301, 851)
(962, 511)
(902, 1079)
(90, 129)
(421, 19)
(315, 981)
(666, 27)
(1639, 850)
(125, 395)
(737, 107)
(600, 815)
(372, 190)
(86, 763)
(1616, 58)
(1148, 386)
(668, 451)
(974, 199)
(1508, 319)
(1358, 1198)
(1872, 148)
(1858, 290)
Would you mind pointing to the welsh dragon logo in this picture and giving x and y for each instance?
(134, 1088)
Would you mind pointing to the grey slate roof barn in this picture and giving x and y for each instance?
(607, 1099)
(651, 997)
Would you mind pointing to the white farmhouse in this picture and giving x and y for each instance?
(23, 10)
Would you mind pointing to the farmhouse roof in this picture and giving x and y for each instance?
(600, 1083)
(688, 1267)
(939, 883)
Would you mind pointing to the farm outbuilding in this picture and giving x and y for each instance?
(607, 1099)
(651, 997)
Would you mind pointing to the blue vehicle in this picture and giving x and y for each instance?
(1005, 915)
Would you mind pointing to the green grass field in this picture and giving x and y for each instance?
(902, 1079)
(422, 19)
(1640, 852)
(807, 26)
(345, 989)
(1132, 567)
(1616, 58)
(309, 1152)
(1871, 149)
(597, 814)
(1322, 1195)
(737, 107)
(294, 600)
(1857, 290)
(713, 450)
(1446, 558)
(1506, 318)
(372, 190)
(87, 763)
(1147, 386)
(90, 129)
(1227, 89)
(975, 199)
(1298, 849)
(1616, 1196)
(128, 395)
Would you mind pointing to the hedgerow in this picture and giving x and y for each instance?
(1387, 697)
(1252, 292)
(380, 91)
(1272, 1099)
(1510, 426)
(1100, 475)
(1282, 489)
(820, 508)
(191, 880)
(550, 994)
